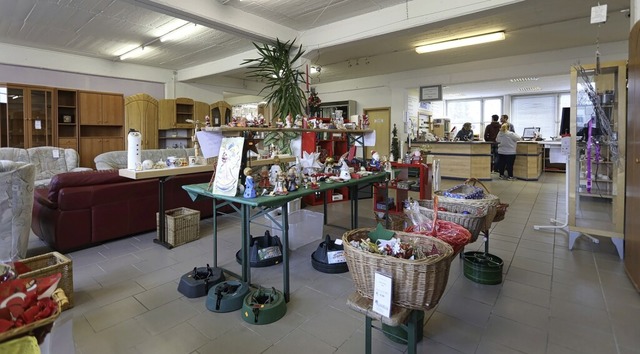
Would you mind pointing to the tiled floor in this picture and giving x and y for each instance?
(552, 300)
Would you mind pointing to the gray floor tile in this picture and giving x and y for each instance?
(127, 300)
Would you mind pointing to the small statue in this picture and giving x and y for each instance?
(389, 169)
(292, 184)
(280, 188)
(264, 177)
(207, 121)
(345, 175)
(416, 157)
(374, 163)
(274, 172)
(288, 121)
(249, 189)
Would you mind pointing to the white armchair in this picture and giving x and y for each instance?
(16, 205)
(50, 161)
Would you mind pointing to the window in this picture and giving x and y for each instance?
(542, 111)
(478, 112)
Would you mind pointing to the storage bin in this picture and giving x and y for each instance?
(182, 225)
(48, 264)
(305, 226)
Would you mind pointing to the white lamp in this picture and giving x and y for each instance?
(461, 42)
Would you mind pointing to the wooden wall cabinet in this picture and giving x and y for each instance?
(597, 180)
(90, 147)
(220, 113)
(67, 118)
(175, 121)
(101, 108)
(28, 117)
(141, 114)
(101, 117)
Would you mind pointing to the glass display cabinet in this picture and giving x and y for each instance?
(28, 117)
(597, 163)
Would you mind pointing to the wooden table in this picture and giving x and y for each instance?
(266, 204)
(163, 174)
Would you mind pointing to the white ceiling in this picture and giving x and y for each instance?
(347, 38)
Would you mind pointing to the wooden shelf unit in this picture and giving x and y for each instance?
(599, 211)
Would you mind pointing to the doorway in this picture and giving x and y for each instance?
(380, 122)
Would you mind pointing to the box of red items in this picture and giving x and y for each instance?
(48, 264)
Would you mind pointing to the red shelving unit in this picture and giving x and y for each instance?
(399, 195)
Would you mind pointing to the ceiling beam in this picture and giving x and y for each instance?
(393, 19)
(212, 14)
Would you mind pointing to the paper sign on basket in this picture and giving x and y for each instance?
(334, 257)
(382, 294)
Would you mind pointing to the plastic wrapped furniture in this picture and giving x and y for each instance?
(16, 204)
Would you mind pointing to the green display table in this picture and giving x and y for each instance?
(266, 204)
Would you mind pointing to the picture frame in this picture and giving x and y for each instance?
(430, 93)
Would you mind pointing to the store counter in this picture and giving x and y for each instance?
(528, 164)
(460, 159)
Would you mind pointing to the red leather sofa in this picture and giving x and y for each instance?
(82, 209)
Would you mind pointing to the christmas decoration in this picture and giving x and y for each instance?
(395, 143)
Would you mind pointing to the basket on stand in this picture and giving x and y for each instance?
(489, 201)
(417, 284)
(40, 328)
(473, 218)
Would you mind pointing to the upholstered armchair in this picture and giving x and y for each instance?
(50, 161)
(16, 204)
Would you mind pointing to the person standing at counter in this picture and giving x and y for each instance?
(465, 134)
(504, 119)
(490, 134)
(507, 142)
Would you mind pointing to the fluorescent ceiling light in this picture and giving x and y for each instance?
(136, 52)
(462, 42)
(524, 79)
(179, 32)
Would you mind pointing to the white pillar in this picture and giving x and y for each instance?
(634, 12)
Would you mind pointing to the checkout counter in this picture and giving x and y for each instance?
(465, 159)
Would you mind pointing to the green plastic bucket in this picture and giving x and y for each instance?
(483, 268)
(399, 335)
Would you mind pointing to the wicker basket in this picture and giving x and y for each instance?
(41, 328)
(396, 221)
(182, 225)
(416, 284)
(474, 221)
(48, 264)
(490, 201)
(501, 211)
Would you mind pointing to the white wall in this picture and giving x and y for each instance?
(392, 90)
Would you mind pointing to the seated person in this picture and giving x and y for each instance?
(465, 134)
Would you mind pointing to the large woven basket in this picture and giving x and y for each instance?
(474, 221)
(40, 328)
(182, 225)
(490, 201)
(49, 264)
(416, 284)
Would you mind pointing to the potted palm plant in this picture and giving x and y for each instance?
(277, 67)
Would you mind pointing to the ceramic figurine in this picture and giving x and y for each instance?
(264, 177)
(292, 185)
(374, 163)
(249, 189)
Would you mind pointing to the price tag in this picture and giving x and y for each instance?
(38, 124)
(334, 257)
(56, 153)
(382, 294)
